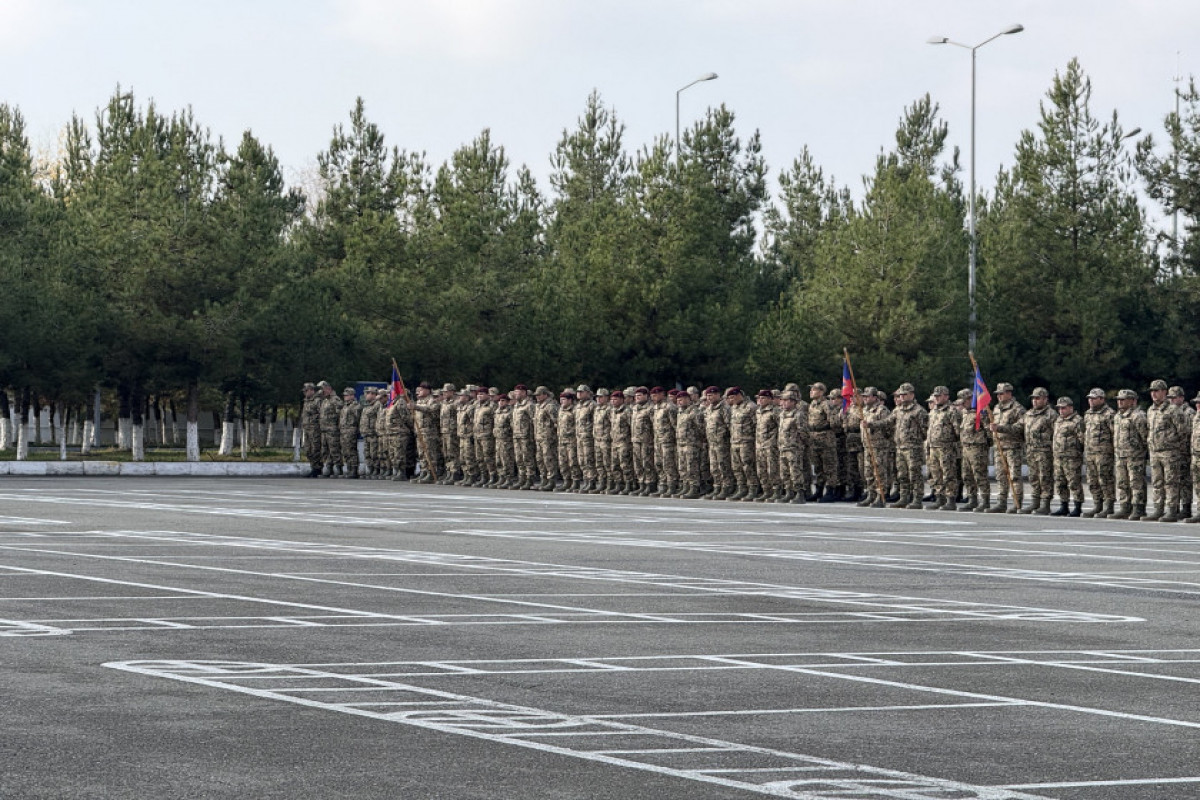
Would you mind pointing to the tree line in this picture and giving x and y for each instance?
(160, 265)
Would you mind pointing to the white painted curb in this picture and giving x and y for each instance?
(113, 469)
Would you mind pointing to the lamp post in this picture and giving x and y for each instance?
(711, 76)
(971, 197)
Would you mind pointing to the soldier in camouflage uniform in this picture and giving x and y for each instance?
(310, 426)
(1008, 430)
(502, 432)
(716, 434)
(1068, 439)
(331, 439)
(524, 443)
(585, 437)
(974, 442)
(689, 439)
(1039, 451)
(666, 455)
(448, 427)
(383, 454)
(464, 421)
(836, 419)
(483, 421)
(1131, 438)
(791, 449)
(1195, 465)
(545, 434)
(766, 447)
(908, 423)
(602, 442)
(1098, 455)
(878, 446)
(568, 456)
(366, 426)
(397, 420)
(1176, 396)
(857, 463)
(426, 420)
(742, 421)
(945, 422)
(822, 440)
(642, 422)
(1169, 432)
(348, 420)
(624, 479)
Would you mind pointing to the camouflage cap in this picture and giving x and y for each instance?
(881, 394)
(348, 390)
(1039, 391)
(775, 393)
(630, 391)
(835, 393)
(470, 387)
(1175, 391)
(1158, 386)
(583, 387)
(941, 390)
(931, 399)
(1097, 392)
(308, 385)
(323, 385)
(1196, 399)
(906, 388)
(492, 390)
(964, 394)
(791, 387)
(693, 390)
(1004, 387)
(870, 391)
(602, 392)
(541, 390)
(1065, 401)
(370, 390)
(1127, 394)
(817, 385)
(788, 395)
(449, 387)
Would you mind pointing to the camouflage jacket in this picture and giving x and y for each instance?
(716, 424)
(742, 421)
(1039, 429)
(427, 415)
(502, 424)
(522, 414)
(1009, 419)
(966, 429)
(911, 421)
(1169, 431)
(793, 430)
(1068, 437)
(880, 427)
(944, 424)
(852, 424)
(484, 419)
(585, 419)
(642, 422)
(1098, 431)
(397, 418)
(821, 416)
(545, 422)
(1131, 433)
(351, 414)
(664, 422)
(448, 419)
(620, 420)
(689, 427)
(310, 413)
(766, 427)
(602, 423)
(331, 411)
(566, 423)
(369, 420)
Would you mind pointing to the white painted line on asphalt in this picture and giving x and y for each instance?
(1081, 784)
(30, 521)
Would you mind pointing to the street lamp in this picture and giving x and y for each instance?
(971, 197)
(712, 76)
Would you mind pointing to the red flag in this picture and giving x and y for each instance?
(847, 382)
(396, 386)
(981, 398)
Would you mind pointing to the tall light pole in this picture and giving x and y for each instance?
(712, 76)
(971, 197)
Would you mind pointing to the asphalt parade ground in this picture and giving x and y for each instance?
(290, 638)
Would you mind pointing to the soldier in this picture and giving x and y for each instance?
(348, 421)
(621, 430)
(383, 452)
(699, 403)
(642, 422)
(483, 421)
(1168, 433)
(366, 426)
(1008, 429)
(856, 458)
(602, 443)
(448, 426)
(877, 445)
(1176, 396)
(689, 439)
(568, 456)
(1195, 465)
(585, 437)
(464, 422)
(742, 421)
(310, 426)
(766, 446)
(790, 446)
(1098, 455)
(909, 423)
(331, 440)
(1068, 458)
(397, 420)
(1131, 438)
(716, 434)
(974, 438)
(1039, 451)
(666, 455)
(426, 416)
(822, 444)
(945, 420)
(502, 432)
(524, 443)
(836, 420)
(545, 434)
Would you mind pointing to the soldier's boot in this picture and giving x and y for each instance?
(951, 504)
(1097, 510)
(900, 502)
(867, 500)
(1172, 514)
(878, 502)
(314, 472)
(984, 505)
(816, 495)
(830, 495)
(547, 485)
(753, 491)
(938, 502)
(1044, 510)
(680, 488)
(1076, 508)
(916, 503)
(693, 492)
(1001, 504)
(1033, 506)
(1137, 511)
(1156, 516)
(764, 494)
(1062, 509)
(1193, 519)
(659, 490)
(1122, 512)
(351, 473)
(1185, 510)
(738, 494)
(893, 497)
(929, 498)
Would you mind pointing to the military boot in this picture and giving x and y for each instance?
(867, 499)
(972, 502)
(949, 504)
(1172, 514)
(1195, 518)
(916, 504)
(1097, 510)
(752, 493)
(693, 492)
(1186, 510)
(900, 502)
(1000, 507)
(1033, 506)
(1062, 509)
(798, 497)
(1122, 511)
(829, 496)
(1044, 510)
(1076, 508)
(1156, 516)
(938, 502)
(929, 498)
(1137, 511)
(984, 505)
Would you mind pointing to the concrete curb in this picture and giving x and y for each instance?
(113, 469)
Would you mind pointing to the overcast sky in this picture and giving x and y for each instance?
(835, 75)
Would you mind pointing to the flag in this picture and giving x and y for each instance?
(396, 386)
(981, 398)
(847, 382)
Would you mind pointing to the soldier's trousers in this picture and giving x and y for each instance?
(909, 461)
(643, 461)
(1101, 478)
(791, 470)
(620, 464)
(506, 458)
(371, 450)
(706, 475)
(720, 465)
(1185, 476)
(350, 451)
(585, 454)
(1195, 487)
(1068, 478)
(604, 470)
(331, 446)
(467, 461)
(766, 461)
(547, 452)
(854, 467)
(398, 451)
(1041, 473)
(568, 460)
(666, 460)
(1008, 464)
(882, 463)
(823, 454)
(312, 447)
(689, 464)
(1131, 480)
(843, 459)
(450, 452)
(742, 460)
(429, 448)
(975, 471)
(525, 453)
(1164, 477)
(943, 470)
(485, 452)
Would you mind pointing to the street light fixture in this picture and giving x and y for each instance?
(711, 76)
(971, 197)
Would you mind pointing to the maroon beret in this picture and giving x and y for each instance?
(656, 390)
(712, 390)
(522, 387)
(765, 393)
(617, 393)
(673, 393)
(734, 390)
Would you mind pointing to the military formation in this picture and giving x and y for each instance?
(776, 447)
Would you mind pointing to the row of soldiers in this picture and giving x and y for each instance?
(775, 447)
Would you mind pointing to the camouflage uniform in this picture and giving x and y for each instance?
(383, 455)
(502, 432)
(1039, 454)
(766, 451)
(666, 455)
(483, 421)
(793, 423)
(1185, 461)
(348, 426)
(310, 426)
(642, 423)
(909, 423)
(464, 422)
(397, 420)
(1195, 465)
(882, 443)
(448, 426)
(975, 445)
(426, 416)
(1069, 433)
(1098, 457)
(585, 437)
(367, 427)
(1131, 440)
(1169, 432)
(1008, 424)
(689, 439)
(742, 420)
(945, 420)
(716, 434)
(602, 440)
(621, 470)
(822, 440)
(568, 455)
(331, 438)
(524, 443)
(857, 463)
(545, 434)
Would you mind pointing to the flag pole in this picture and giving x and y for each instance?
(862, 426)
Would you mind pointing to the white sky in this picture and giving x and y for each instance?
(832, 74)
